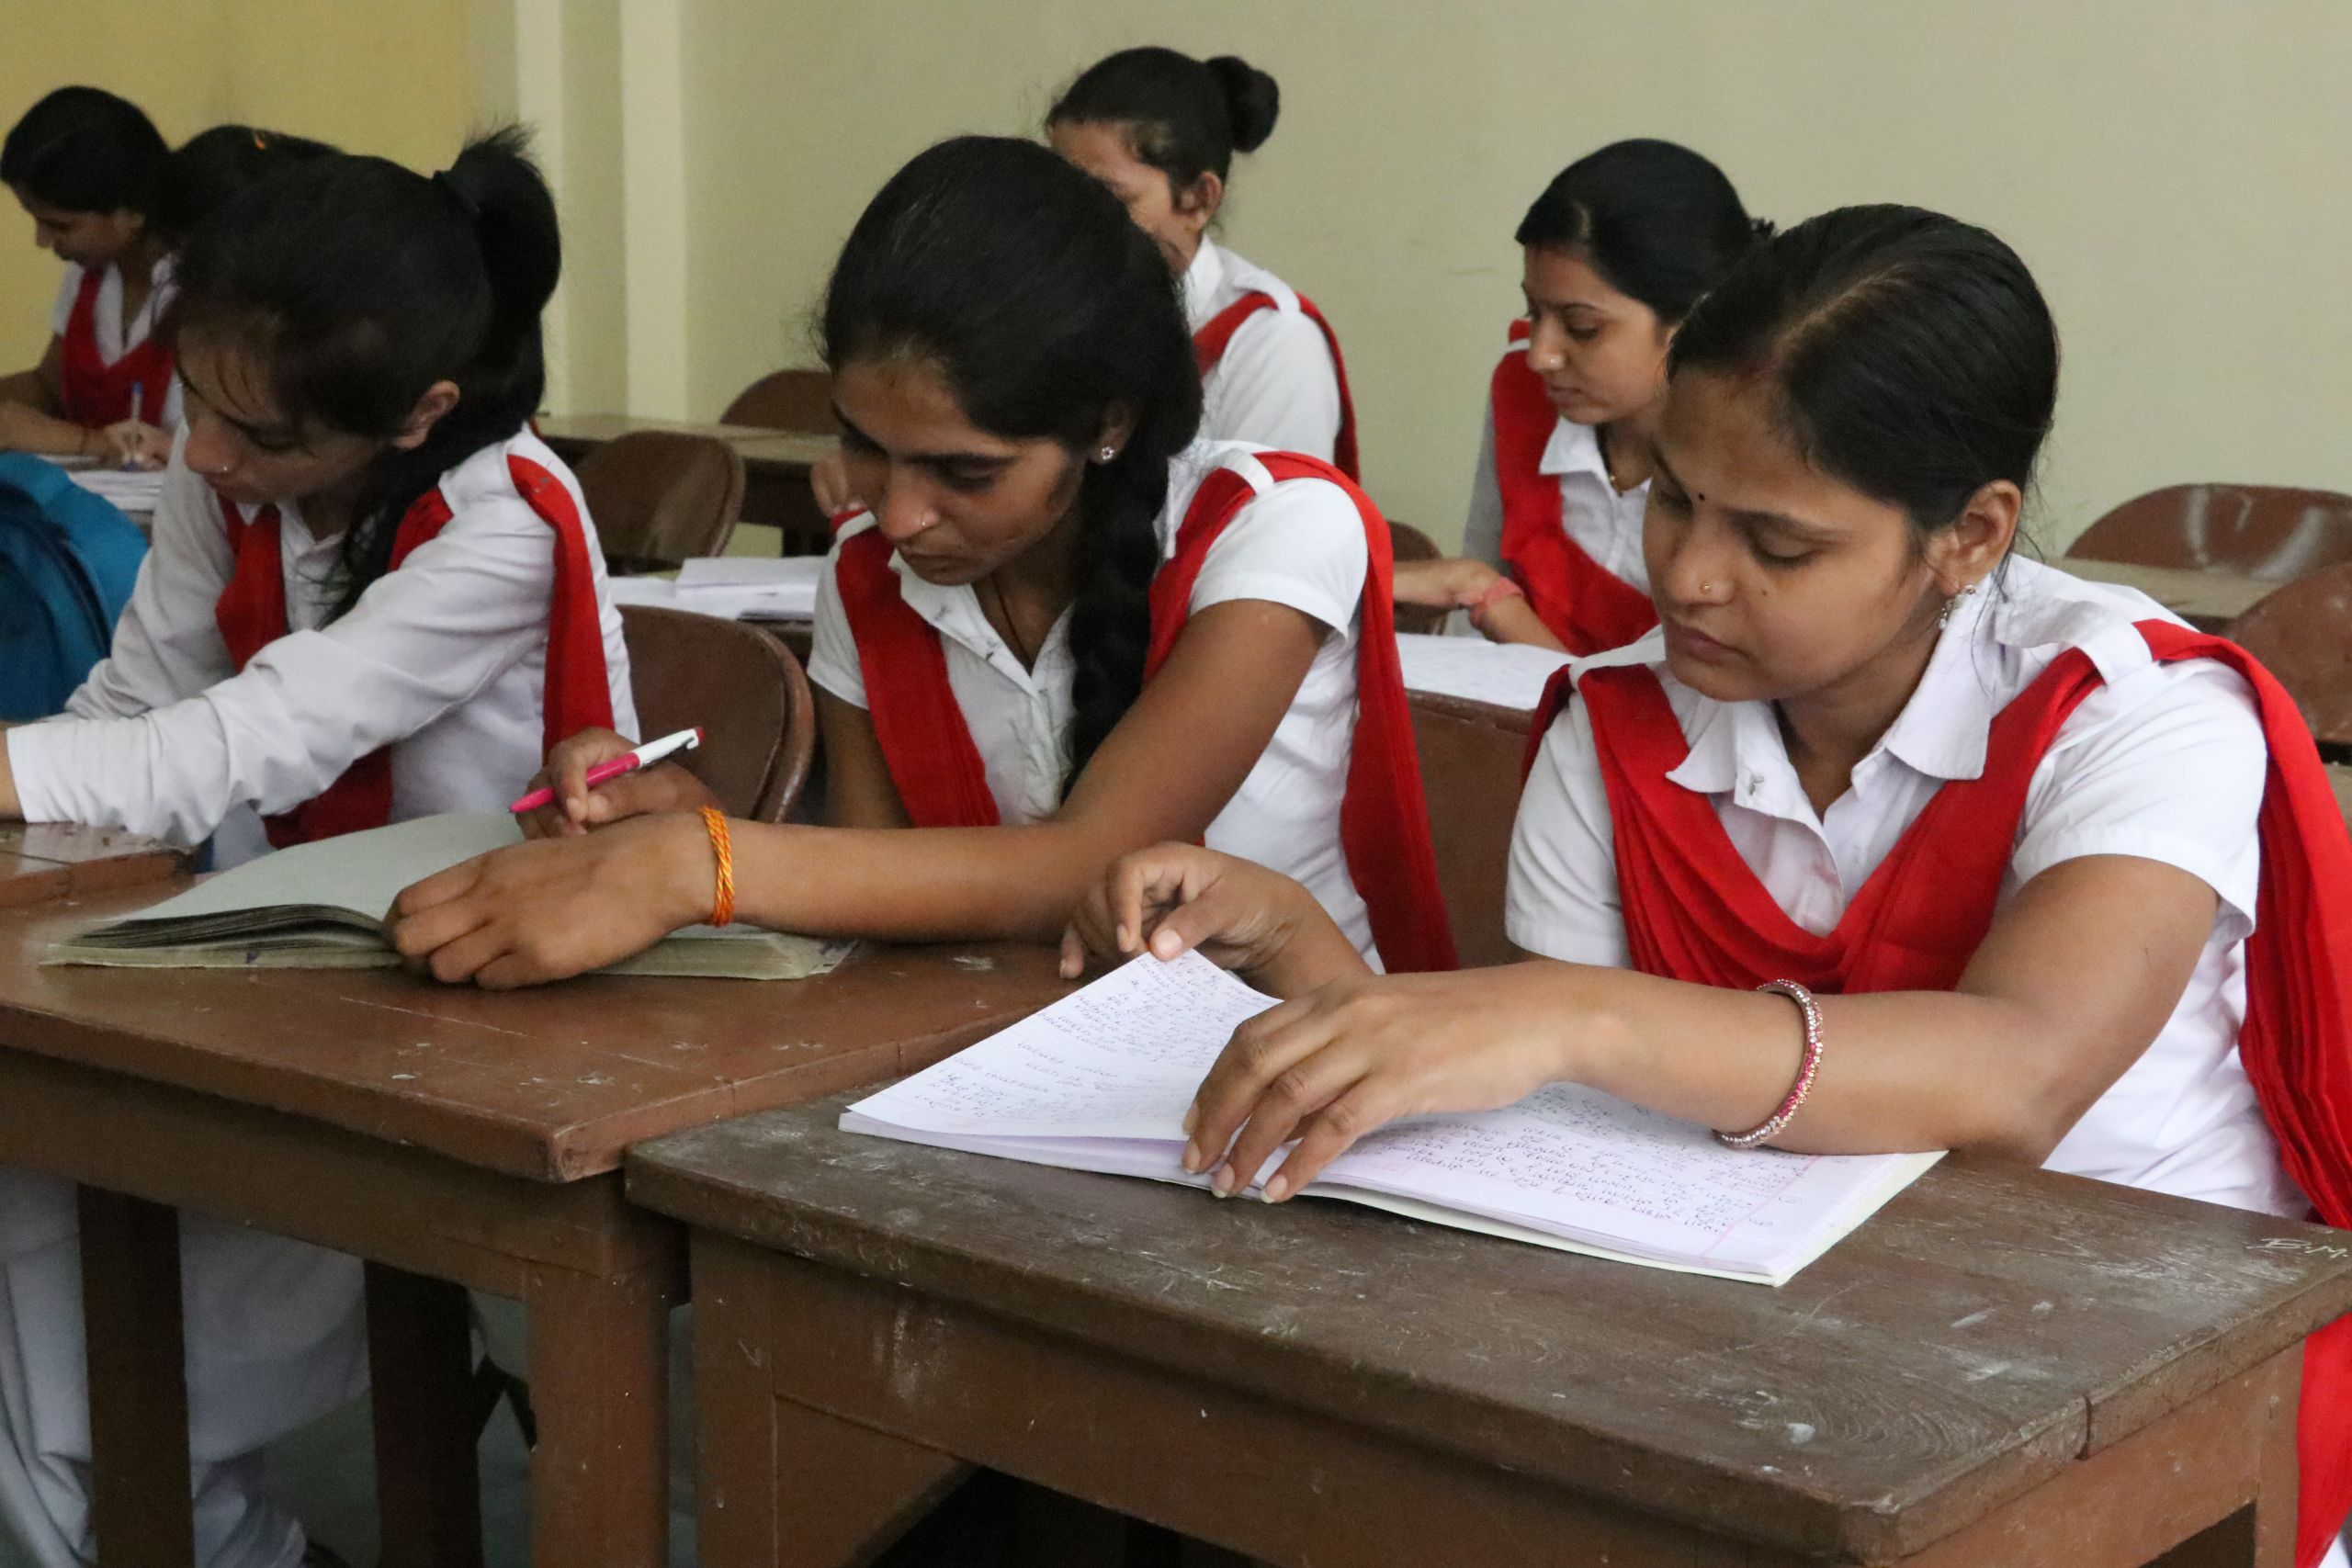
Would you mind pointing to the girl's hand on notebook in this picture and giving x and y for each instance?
(557, 907)
(137, 445)
(666, 786)
(1175, 897)
(1354, 1055)
(1443, 584)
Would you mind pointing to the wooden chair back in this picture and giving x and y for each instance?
(785, 400)
(1407, 543)
(2302, 634)
(2265, 531)
(745, 690)
(660, 497)
(1470, 755)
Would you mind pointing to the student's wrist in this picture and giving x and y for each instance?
(1566, 1006)
(690, 864)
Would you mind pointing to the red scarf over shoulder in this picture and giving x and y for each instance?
(1587, 607)
(251, 612)
(1694, 911)
(96, 394)
(1383, 820)
(1210, 343)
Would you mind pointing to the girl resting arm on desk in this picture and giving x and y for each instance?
(1885, 840)
(1064, 632)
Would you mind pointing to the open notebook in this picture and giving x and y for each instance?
(322, 905)
(1101, 1080)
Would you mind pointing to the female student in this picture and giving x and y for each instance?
(87, 168)
(1065, 631)
(210, 168)
(1160, 128)
(1617, 250)
(372, 594)
(1885, 840)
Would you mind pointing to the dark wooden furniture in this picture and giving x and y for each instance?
(2208, 600)
(775, 468)
(743, 686)
(787, 399)
(453, 1139)
(1407, 543)
(41, 860)
(659, 497)
(2302, 634)
(2005, 1368)
(2263, 531)
(1470, 754)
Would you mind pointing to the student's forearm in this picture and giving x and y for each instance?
(1515, 620)
(917, 885)
(26, 429)
(1726, 1058)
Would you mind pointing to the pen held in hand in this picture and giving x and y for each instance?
(644, 756)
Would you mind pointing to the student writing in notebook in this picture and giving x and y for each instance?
(88, 169)
(1066, 630)
(372, 595)
(1159, 129)
(1886, 840)
(1616, 250)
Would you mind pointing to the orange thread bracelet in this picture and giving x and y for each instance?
(1500, 588)
(722, 903)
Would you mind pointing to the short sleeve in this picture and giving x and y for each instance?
(61, 315)
(1482, 530)
(833, 651)
(1560, 896)
(1301, 544)
(2167, 764)
(1276, 386)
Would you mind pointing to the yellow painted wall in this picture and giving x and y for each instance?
(2177, 171)
(401, 78)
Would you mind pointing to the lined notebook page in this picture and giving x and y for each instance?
(1508, 675)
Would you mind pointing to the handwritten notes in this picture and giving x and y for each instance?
(1508, 675)
(1101, 1080)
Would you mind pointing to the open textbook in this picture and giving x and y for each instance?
(733, 588)
(322, 905)
(1508, 675)
(1101, 1080)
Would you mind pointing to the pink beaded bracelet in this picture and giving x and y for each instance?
(1804, 1086)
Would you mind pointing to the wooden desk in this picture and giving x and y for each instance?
(41, 860)
(2004, 1367)
(1470, 754)
(775, 466)
(2208, 601)
(452, 1138)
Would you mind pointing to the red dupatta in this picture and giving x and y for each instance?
(1587, 607)
(251, 612)
(1210, 343)
(1695, 911)
(94, 393)
(1383, 820)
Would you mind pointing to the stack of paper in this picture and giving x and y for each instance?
(131, 489)
(1508, 675)
(322, 905)
(752, 588)
(1101, 1080)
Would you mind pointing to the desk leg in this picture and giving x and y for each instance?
(428, 1479)
(130, 1307)
(599, 1474)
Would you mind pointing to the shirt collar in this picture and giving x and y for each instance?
(1203, 279)
(1573, 449)
(954, 611)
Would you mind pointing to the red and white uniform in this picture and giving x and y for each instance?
(111, 369)
(439, 674)
(1270, 368)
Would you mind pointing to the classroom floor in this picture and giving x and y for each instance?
(326, 1474)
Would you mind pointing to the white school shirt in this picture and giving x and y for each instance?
(2164, 763)
(1605, 525)
(115, 337)
(1298, 542)
(444, 660)
(1276, 385)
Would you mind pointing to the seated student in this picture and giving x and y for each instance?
(1869, 751)
(1618, 248)
(213, 166)
(372, 594)
(1065, 632)
(87, 168)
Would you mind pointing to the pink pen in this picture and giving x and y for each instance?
(644, 756)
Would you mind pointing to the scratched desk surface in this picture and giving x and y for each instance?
(1988, 1327)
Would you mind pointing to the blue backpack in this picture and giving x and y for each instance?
(67, 563)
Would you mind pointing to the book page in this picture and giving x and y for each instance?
(1118, 1059)
(362, 872)
(131, 489)
(1510, 675)
(756, 587)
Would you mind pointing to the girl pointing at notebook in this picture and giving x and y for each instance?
(1065, 631)
(1886, 840)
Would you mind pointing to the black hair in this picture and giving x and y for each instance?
(1184, 117)
(1048, 312)
(84, 150)
(212, 166)
(1911, 355)
(1656, 221)
(355, 285)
